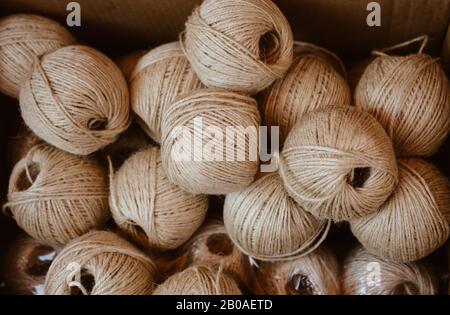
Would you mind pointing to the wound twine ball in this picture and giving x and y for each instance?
(313, 274)
(100, 263)
(367, 274)
(25, 265)
(200, 280)
(311, 82)
(410, 97)
(210, 142)
(241, 45)
(159, 78)
(265, 223)
(338, 163)
(128, 62)
(143, 200)
(55, 196)
(75, 99)
(414, 221)
(23, 38)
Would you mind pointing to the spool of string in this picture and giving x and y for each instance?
(159, 78)
(265, 223)
(394, 88)
(128, 62)
(242, 45)
(25, 265)
(313, 274)
(366, 274)
(20, 144)
(210, 141)
(23, 37)
(338, 163)
(199, 280)
(55, 196)
(414, 221)
(149, 207)
(100, 263)
(313, 81)
(76, 99)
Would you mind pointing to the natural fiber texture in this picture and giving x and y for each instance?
(75, 99)
(338, 163)
(410, 96)
(265, 223)
(56, 196)
(23, 38)
(414, 221)
(159, 78)
(366, 274)
(242, 45)
(143, 200)
(108, 265)
(20, 144)
(199, 281)
(213, 166)
(313, 274)
(128, 62)
(25, 265)
(311, 82)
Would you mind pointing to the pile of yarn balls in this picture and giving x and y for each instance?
(357, 159)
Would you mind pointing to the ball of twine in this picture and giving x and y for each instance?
(265, 223)
(338, 163)
(100, 263)
(199, 280)
(311, 82)
(143, 200)
(367, 274)
(242, 45)
(75, 99)
(56, 196)
(414, 221)
(394, 90)
(313, 274)
(158, 79)
(201, 157)
(23, 38)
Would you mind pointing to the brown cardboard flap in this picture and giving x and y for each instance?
(446, 52)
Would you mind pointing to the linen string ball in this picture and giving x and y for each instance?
(199, 280)
(394, 90)
(338, 163)
(265, 223)
(210, 142)
(311, 82)
(159, 78)
(391, 278)
(143, 200)
(23, 38)
(414, 221)
(313, 274)
(241, 45)
(55, 196)
(75, 99)
(108, 265)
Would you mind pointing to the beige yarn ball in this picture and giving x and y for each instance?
(197, 153)
(414, 221)
(338, 163)
(143, 200)
(23, 39)
(313, 274)
(56, 196)
(394, 90)
(367, 274)
(265, 223)
(75, 99)
(311, 82)
(198, 281)
(159, 78)
(100, 263)
(241, 45)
